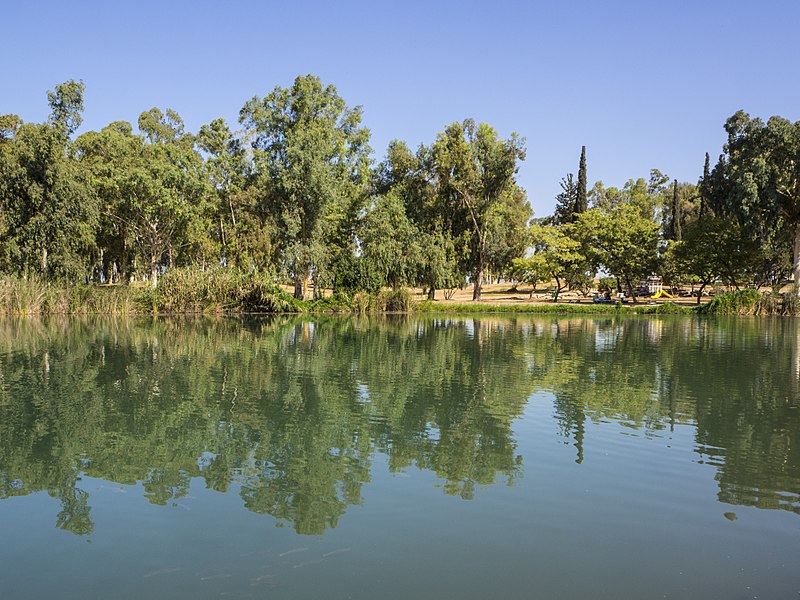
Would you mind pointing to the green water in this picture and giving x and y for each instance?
(400, 458)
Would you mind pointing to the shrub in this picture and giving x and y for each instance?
(394, 301)
(739, 302)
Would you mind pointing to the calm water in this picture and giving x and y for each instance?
(400, 458)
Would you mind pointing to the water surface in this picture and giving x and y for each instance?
(400, 457)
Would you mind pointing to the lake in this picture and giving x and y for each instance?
(400, 457)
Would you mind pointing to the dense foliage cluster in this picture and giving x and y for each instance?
(295, 197)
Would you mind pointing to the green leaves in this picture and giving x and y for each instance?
(314, 153)
(757, 181)
(66, 105)
(478, 168)
(620, 241)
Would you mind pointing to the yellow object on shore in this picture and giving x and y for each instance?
(661, 294)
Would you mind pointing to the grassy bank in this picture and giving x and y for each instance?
(225, 292)
(186, 292)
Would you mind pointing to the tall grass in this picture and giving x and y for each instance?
(34, 296)
(219, 291)
(738, 302)
(189, 291)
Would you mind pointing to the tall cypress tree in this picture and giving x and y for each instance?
(581, 201)
(676, 213)
(703, 184)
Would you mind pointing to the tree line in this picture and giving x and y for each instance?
(294, 193)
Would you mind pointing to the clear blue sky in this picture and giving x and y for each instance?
(642, 84)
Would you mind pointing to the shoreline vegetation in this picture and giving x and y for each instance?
(272, 217)
(220, 292)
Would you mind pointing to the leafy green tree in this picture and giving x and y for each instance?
(647, 196)
(479, 168)
(532, 270)
(314, 153)
(243, 222)
(560, 253)
(620, 241)
(757, 180)
(155, 193)
(714, 249)
(435, 212)
(48, 214)
(507, 230)
(9, 125)
(390, 243)
(66, 106)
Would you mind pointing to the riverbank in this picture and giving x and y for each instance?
(222, 292)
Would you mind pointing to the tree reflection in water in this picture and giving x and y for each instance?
(290, 412)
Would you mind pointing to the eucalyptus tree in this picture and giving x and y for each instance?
(507, 237)
(648, 196)
(479, 169)
(47, 212)
(311, 151)
(438, 219)
(757, 181)
(155, 199)
(390, 244)
(243, 227)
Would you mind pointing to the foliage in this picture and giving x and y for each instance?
(312, 153)
(154, 196)
(479, 168)
(48, 214)
(400, 300)
(757, 181)
(565, 201)
(390, 244)
(714, 249)
(220, 290)
(620, 241)
(294, 199)
(739, 302)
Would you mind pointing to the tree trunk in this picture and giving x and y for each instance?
(44, 260)
(153, 269)
(630, 289)
(301, 284)
(700, 292)
(432, 293)
(222, 240)
(476, 291)
(796, 260)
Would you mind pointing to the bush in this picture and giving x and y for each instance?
(361, 303)
(219, 290)
(739, 302)
(394, 301)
